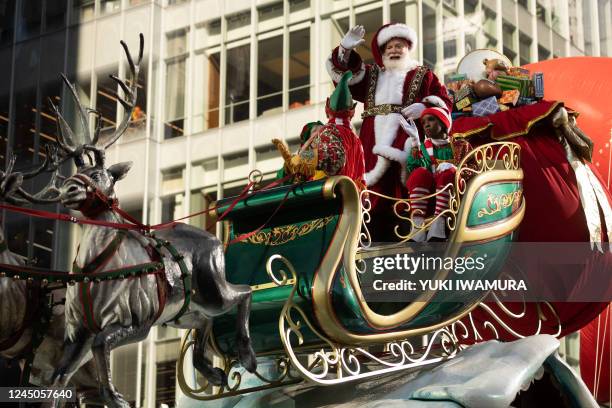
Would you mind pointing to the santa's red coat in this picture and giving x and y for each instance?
(390, 184)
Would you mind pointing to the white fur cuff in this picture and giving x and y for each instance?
(336, 74)
(391, 153)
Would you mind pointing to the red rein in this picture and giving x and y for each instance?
(98, 202)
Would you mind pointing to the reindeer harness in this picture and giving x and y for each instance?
(96, 203)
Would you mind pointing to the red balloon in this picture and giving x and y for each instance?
(585, 85)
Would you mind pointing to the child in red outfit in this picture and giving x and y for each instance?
(432, 165)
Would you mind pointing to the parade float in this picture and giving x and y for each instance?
(294, 262)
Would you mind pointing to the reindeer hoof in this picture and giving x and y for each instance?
(217, 377)
(113, 399)
(247, 356)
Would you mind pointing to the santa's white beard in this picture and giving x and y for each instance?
(404, 63)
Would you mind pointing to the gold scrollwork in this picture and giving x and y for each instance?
(334, 363)
(482, 159)
(498, 202)
(282, 235)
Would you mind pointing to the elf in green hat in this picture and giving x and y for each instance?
(333, 148)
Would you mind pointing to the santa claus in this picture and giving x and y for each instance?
(395, 90)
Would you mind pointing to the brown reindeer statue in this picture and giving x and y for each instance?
(187, 292)
(22, 303)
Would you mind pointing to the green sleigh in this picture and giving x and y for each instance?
(305, 268)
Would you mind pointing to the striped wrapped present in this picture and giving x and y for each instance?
(507, 83)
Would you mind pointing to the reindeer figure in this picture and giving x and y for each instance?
(15, 310)
(105, 315)
(20, 300)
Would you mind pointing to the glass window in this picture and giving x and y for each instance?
(206, 95)
(297, 5)
(7, 23)
(171, 207)
(469, 6)
(172, 180)
(299, 68)
(524, 49)
(176, 43)
(138, 120)
(174, 123)
(29, 19)
(208, 34)
(430, 53)
(109, 6)
(165, 383)
(239, 20)
(524, 3)
(200, 200)
(5, 87)
(106, 100)
(398, 12)
(508, 33)
(27, 61)
(83, 10)
(541, 12)
(125, 366)
(52, 53)
(543, 53)
(55, 14)
(450, 48)
(269, 75)
(371, 21)
(237, 84)
(270, 11)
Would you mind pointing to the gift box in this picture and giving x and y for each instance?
(519, 72)
(509, 97)
(463, 103)
(524, 100)
(538, 85)
(507, 83)
(456, 82)
(455, 77)
(485, 107)
(465, 92)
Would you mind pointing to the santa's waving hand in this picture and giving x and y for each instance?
(394, 90)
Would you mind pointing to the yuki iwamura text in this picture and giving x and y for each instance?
(412, 264)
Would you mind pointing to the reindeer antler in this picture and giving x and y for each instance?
(50, 193)
(101, 142)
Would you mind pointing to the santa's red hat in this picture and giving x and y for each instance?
(441, 114)
(386, 33)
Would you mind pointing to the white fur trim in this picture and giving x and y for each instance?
(398, 30)
(391, 153)
(410, 143)
(445, 166)
(390, 86)
(336, 74)
(373, 176)
(435, 100)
